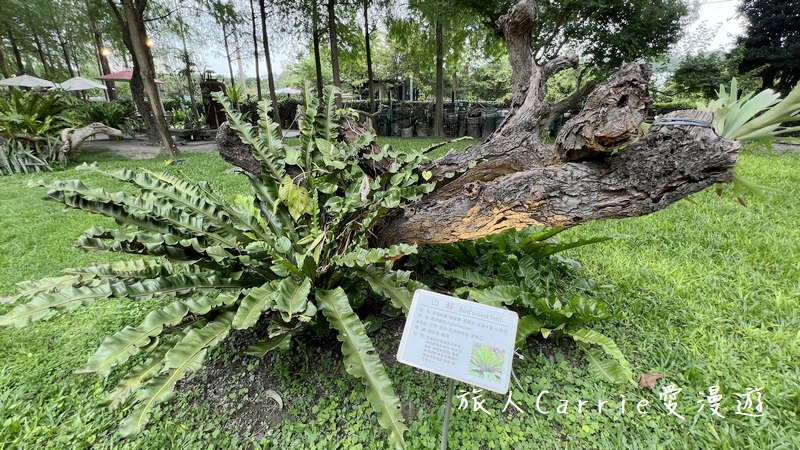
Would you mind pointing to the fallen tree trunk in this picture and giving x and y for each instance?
(599, 167)
(72, 139)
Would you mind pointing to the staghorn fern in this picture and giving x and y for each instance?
(756, 117)
(753, 117)
(280, 259)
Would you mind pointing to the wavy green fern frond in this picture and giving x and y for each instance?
(617, 370)
(327, 123)
(291, 299)
(362, 257)
(153, 215)
(254, 304)
(185, 357)
(279, 341)
(44, 303)
(395, 285)
(193, 198)
(361, 361)
(119, 347)
(269, 156)
(148, 369)
(28, 289)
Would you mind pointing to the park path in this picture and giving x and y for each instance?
(141, 149)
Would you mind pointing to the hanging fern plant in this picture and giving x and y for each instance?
(285, 256)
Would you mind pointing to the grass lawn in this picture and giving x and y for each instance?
(704, 291)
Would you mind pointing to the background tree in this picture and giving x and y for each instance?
(772, 42)
(268, 56)
(702, 74)
(132, 23)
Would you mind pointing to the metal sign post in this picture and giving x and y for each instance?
(451, 385)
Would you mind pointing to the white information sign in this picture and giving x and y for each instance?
(460, 339)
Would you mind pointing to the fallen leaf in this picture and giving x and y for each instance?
(648, 380)
(274, 395)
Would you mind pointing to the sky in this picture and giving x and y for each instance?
(721, 15)
(718, 16)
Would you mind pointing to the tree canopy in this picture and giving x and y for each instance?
(772, 42)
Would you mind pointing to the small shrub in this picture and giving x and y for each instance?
(36, 115)
(113, 114)
(19, 157)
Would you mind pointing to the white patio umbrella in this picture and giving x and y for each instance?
(27, 81)
(289, 91)
(81, 84)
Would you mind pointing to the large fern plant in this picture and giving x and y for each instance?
(291, 253)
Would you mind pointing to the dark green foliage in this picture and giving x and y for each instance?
(34, 114)
(772, 42)
(702, 74)
(608, 33)
(661, 108)
(116, 114)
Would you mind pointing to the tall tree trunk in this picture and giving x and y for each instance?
(370, 75)
(189, 80)
(317, 59)
(438, 113)
(104, 67)
(62, 43)
(255, 49)
(239, 64)
(455, 85)
(138, 35)
(3, 66)
(276, 116)
(334, 49)
(228, 56)
(42, 56)
(768, 78)
(136, 84)
(17, 54)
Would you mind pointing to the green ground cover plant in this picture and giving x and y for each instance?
(705, 291)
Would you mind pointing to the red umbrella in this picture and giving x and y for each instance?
(122, 75)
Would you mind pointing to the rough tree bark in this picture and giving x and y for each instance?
(137, 86)
(104, 66)
(72, 139)
(42, 56)
(17, 54)
(513, 180)
(134, 22)
(600, 166)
